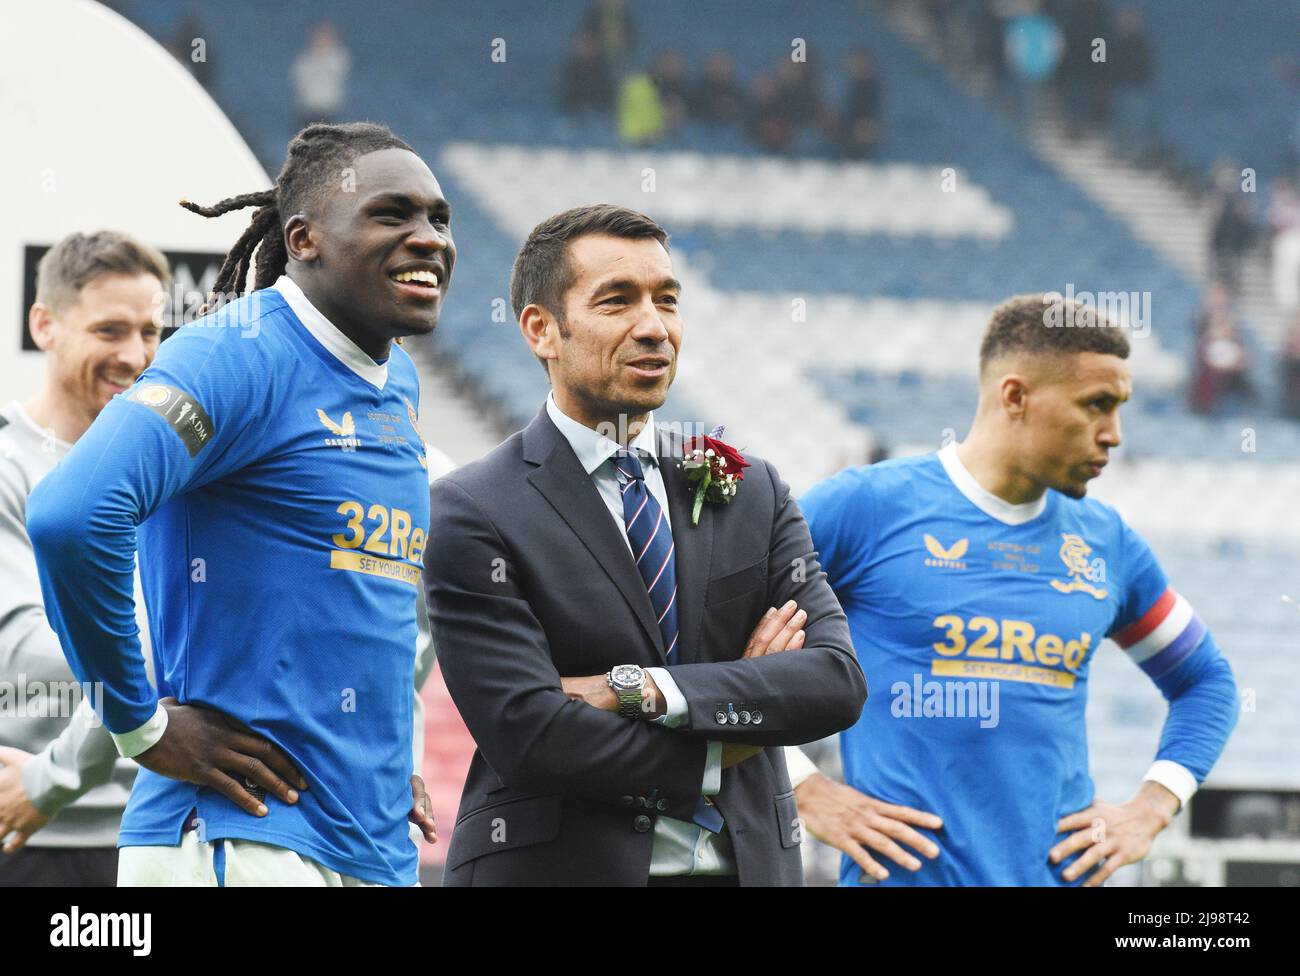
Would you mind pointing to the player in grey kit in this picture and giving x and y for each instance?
(96, 319)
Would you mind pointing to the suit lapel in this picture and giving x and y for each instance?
(571, 492)
(694, 547)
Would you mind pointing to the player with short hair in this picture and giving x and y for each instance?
(94, 319)
(271, 461)
(978, 583)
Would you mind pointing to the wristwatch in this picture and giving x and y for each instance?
(628, 682)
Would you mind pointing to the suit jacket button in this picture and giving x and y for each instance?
(642, 802)
(641, 823)
(733, 718)
(744, 717)
(627, 801)
(662, 805)
(720, 718)
(757, 717)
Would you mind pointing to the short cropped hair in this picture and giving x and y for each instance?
(1047, 325)
(542, 272)
(78, 259)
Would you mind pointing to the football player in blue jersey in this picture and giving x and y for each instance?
(978, 583)
(270, 462)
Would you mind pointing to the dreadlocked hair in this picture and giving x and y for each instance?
(320, 157)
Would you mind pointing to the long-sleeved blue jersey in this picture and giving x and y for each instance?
(975, 622)
(278, 483)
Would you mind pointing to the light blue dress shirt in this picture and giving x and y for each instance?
(680, 847)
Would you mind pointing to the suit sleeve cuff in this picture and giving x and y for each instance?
(131, 744)
(675, 711)
(712, 770)
(799, 766)
(1177, 779)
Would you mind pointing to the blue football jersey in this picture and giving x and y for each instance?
(975, 622)
(279, 481)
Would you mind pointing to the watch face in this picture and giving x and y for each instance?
(627, 675)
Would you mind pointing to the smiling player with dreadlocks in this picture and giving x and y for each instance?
(271, 461)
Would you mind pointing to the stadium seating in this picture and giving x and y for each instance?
(1247, 113)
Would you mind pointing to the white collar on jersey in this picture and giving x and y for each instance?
(328, 335)
(987, 502)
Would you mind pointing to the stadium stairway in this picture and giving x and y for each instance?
(1162, 213)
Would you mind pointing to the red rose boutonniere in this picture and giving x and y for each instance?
(714, 470)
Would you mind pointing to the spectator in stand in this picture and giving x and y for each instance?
(1233, 226)
(953, 23)
(1291, 371)
(611, 24)
(640, 111)
(587, 84)
(860, 116)
(1084, 83)
(1033, 46)
(1130, 62)
(320, 76)
(717, 96)
(1284, 221)
(983, 33)
(800, 91)
(1222, 366)
(770, 124)
(669, 74)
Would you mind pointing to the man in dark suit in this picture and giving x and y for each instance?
(626, 673)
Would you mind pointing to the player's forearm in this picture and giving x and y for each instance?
(1203, 710)
(82, 528)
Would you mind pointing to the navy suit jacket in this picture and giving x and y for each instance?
(529, 579)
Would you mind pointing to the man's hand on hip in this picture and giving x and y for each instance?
(204, 746)
(841, 816)
(1113, 835)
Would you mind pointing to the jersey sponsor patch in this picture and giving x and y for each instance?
(183, 413)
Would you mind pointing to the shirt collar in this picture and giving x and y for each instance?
(987, 502)
(328, 335)
(593, 448)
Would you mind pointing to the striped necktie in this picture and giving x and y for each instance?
(651, 540)
(652, 545)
